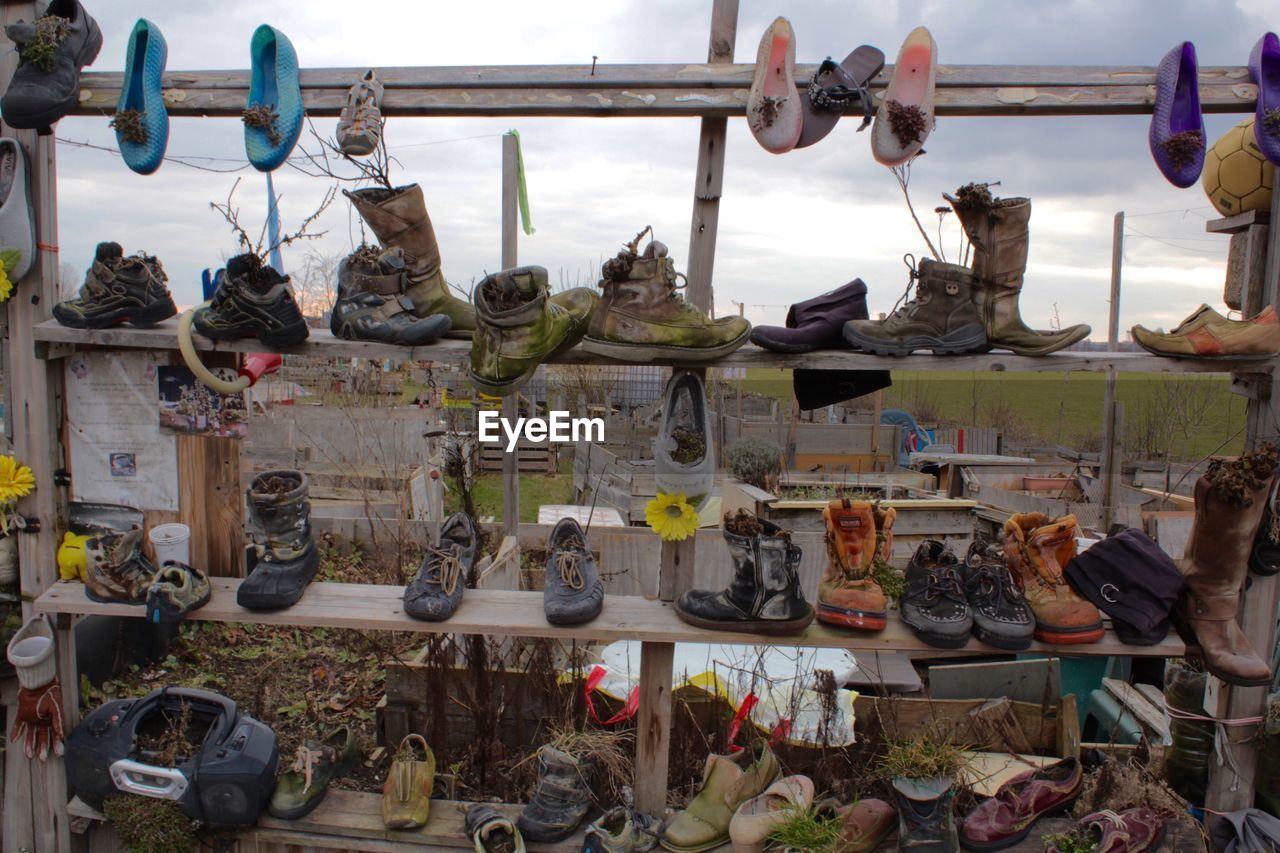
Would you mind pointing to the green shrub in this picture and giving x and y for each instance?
(757, 462)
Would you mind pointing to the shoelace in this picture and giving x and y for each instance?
(305, 761)
(446, 571)
(906, 301)
(569, 564)
(997, 580)
(944, 584)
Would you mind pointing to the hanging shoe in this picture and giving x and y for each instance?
(175, 591)
(904, 118)
(284, 557)
(273, 115)
(942, 317)
(372, 304)
(51, 53)
(436, 591)
(119, 289)
(1038, 549)
(253, 301)
(683, 451)
(116, 569)
(773, 105)
(302, 787)
(17, 215)
(141, 121)
(1264, 71)
(1176, 136)
(490, 832)
(406, 795)
(934, 604)
(574, 593)
(1208, 334)
(857, 534)
(728, 781)
(562, 798)
(837, 89)
(360, 124)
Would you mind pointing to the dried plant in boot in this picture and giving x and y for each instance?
(690, 445)
(1271, 121)
(1184, 147)
(742, 523)
(503, 298)
(129, 125)
(976, 197)
(265, 119)
(42, 48)
(1232, 480)
(908, 123)
(619, 267)
(1119, 785)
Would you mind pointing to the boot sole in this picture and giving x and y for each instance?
(940, 641)
(966, 339)
(699, 848)
(644, 353)
(287, 338)
(1058, 345)
(858, 620)
(142, 318)
(1013, 841)
(1008, 644)
(1188, 635)
(1070, 636)
(501, 389)
(755, 626)
(271, 601)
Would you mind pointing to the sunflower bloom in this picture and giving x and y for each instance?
(671, 517)
(6, 286)
(16, 481)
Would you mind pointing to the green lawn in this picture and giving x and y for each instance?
(535, 490)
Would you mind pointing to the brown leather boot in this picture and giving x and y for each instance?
(398, 218)
(997, 228)
(1229, 504)
(1038, 548)
(848, 595)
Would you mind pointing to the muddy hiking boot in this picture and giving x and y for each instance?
(764, 595)
(435, 593)
(176, 590)
(934, 604)
(574, 592)
(252, 301)
(942, 317)
(857, 534)
(372, 305)
(1001, 617)
(302, 787)
(283, 558)
(521, 325)
(51, 52)
(399, 219)
(642, 316)
(119, 289)
(1037, 549)
(998, 231)
(562, 798)
(116, 569)
(728, 781)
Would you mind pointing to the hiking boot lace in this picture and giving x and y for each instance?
(446, 571)
(906, 301)
(569, 565)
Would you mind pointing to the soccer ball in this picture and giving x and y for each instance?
(1237, 177)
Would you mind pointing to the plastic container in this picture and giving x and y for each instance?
(31, 653)
(171, 542)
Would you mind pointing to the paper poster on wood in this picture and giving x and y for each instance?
(188, 405)
(118, 452)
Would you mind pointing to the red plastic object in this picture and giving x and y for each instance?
(258, 364)
(628, 710)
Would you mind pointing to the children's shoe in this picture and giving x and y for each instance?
(904, 118)
(562, 798)
(273, 115)
(176, 590)
(116, 569)
(119, 289)
(372, 304)
(51, 53)
(253, 301)
(141, 121)
(773, 105)
(360, 124)
(622, 830)
(490, 832)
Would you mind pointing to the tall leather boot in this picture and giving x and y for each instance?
(1230, 499)
(998, 228)
(398, 218)
(284, 556)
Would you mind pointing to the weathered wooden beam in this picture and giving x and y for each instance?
(653, 726)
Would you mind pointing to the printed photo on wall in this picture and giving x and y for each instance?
(188, 405)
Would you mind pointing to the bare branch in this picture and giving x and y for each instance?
(903, 175)
(232, 215)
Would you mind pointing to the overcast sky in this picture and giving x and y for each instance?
(791, 226)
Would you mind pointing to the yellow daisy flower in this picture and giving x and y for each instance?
(16, 481)
(6, 286)
(671, 517)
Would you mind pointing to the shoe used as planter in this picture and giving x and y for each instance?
(943, 316)
(520, 325)
(119, 289)
(837, 89)
(728, 781)
(253, 301)
(17, 215)
(1008, 817)
(175, 591)
(116, 569)
(284, 557)
(273, 115)
(1264, 71)
(925, 821)
(683, 452)
(753, 821)
(399, 219)
(1176, 135)
(857, 534)
(359, 129)
(816, 323)
(141, 121)
(406, 795)
(1137, 830)
(574, 593)
(773, 104)
(904, 118)
(1001, 617)
(51, 53)
(764, 595)
(934, 604)
(1208, 334)
(372, 304)
(1037, 549)
(622, 830)
(864, 825)
(302, 787)
(436, 591)
(642, 316)
(1264, 559)
(561, 799)
(490, 832)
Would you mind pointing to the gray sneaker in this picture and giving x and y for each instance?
(360, 124)
(51, 52)
(574, 593)
(436, 591)
(684, 459)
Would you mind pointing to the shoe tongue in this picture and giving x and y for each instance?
(107, 252)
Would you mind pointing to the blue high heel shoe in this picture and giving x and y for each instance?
(142, 122)
(275, 87)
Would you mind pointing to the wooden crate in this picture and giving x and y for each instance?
(530, 458)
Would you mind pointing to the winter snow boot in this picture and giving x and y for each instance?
(435, 593)
(642, 316)
(1037, 549)
(285, 557)
(51, 52)
(372, 305)
(118, 290)
(934, 604)
(1230, 500)
(728, 781)
(858, 533)
(399, 220)
(175, 591)
(764, 596)
(562, 798)
(1001, 617)
(998, 228)
(942, 317)
(116, 570)
(925, 822)
(252, 301)
(573, 593)
(521, 325)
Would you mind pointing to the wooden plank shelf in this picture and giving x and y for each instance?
(519, 614)
(53, 340)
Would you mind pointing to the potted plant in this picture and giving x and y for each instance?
(925, 774)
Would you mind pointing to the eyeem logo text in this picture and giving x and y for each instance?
(557, 426)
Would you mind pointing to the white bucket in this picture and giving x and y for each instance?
(171, 542)
(31, 653)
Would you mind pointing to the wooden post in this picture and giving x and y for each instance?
(511, 402)
(653, 726)
(1110, 436)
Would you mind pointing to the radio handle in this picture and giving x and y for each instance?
(162, 783)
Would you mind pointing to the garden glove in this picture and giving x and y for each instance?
(39, 721)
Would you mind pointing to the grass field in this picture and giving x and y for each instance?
(535, 490)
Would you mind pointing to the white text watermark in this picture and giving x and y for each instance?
(556, 426)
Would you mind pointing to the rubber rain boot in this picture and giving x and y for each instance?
(284, 554)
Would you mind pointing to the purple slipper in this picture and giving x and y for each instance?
(1264, 70)
(836, 89)
(1177, 129)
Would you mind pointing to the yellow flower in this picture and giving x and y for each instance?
(16, 481)
(671, 517)
(6, 286)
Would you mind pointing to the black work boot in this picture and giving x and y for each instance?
(925, 822)
(934, 604)
(1001, 616)
(253, 300)
(574, 593)
(435, 593)
(284, 554)
(942, 317)
(51, 52)
(562, 798)
(118, 290)
(116, 569)
(372, 304)
(764, 595)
